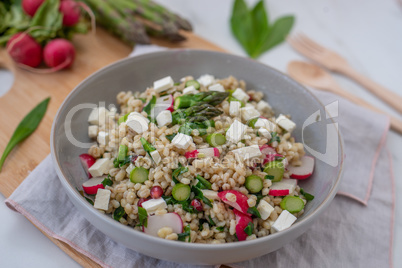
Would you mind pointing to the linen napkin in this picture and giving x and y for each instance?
(348, 234)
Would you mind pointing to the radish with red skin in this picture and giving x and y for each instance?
(305, 170)
(242, 220)
(279, 192)
(87, 161)
(59, 53)
(240, 203)
(91, 186)
(71, 12)
(25, 50)
(206, 152)
(156, 222)
(31, 6)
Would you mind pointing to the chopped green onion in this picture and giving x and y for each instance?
(254, 211)
(118, 213)
(204, 182)
(249, 229)
(308, 196)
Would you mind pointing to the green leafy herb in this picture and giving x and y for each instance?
(198, 194)
(25, 128)
(89, 200)
(107, 181)
(269, 177)
(143, 216)
(275, 137)
(253, 31)
(220, 228)
(48, 21)
(211, 221)
(127, 160)
(308, 196)
(182, 236)
(171, 136)
(118, 213)
(177, 172)
(259, 197)
(254, 211)
(144, 100)
(147, 146)
(204, 182)
(249, 229)
(186, 205)
(150, 105)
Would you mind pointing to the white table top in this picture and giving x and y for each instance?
(366, 32)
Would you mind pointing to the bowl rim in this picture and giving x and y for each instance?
(164, 242)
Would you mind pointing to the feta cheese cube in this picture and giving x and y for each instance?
(132, 115)
(182, 141)
(163, 84)
(265, 123)
(264, 106)
(241, 95)
(285, 123)
(206, 79)
(164, 118)
(216, 87)
(265, 209)
(100, 167)
(248, 113)
(103, 138)
(130, 168)
(234, 108)
(137, 123)
(152, 205)
(211, 195)
(98, 116)
(190, 90)
(102, 199)
(93, 131)
(248, 152)
(289, 184)
(264, 133)
(284, 221)
(156, 157)
(236, 131)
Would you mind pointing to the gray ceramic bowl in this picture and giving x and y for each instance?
(285, 95)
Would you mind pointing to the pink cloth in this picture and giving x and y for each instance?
(348, 234)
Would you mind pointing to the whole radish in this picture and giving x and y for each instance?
(71, 12)
(25, 50)
(30, 6)
(59, 53)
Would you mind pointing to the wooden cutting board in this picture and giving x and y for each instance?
(93, 53)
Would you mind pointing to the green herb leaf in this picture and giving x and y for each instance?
(143, 216)
(177, 172)
(118, 213)
(182, 236)
(249, 229)
(275, 137)
(211, 221)
(254, 211)
(89, 200)
(308, 196)
(198, 194)
(253, 31)
(48, 21)
(150, 105)
(107, 182)
(269, 177)
(25, 128)
(171, 136)
(220, 228)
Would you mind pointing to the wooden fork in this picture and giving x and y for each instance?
(335, 62)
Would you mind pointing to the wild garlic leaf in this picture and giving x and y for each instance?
(277, 33)
(242, 25)
(260, 25)
(25, 128)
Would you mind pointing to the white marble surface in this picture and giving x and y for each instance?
(367, 32)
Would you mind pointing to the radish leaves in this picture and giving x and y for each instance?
(253, 31)
(25, 128)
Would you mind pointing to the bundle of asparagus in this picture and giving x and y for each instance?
(134, 20)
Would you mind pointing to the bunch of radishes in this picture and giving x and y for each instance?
(58, 53)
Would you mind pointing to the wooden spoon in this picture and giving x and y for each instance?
(314, 76)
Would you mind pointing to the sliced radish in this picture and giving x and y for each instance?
(305, 170)
(87, 161)
(279, 192)
(162, 104)
(91, 186)
(201, 153)
(235, 199)
(156, 222)
(283, 187)
(242, 220)
(267, 150)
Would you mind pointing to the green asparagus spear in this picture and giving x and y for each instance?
(211, 97)
(200, 113)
